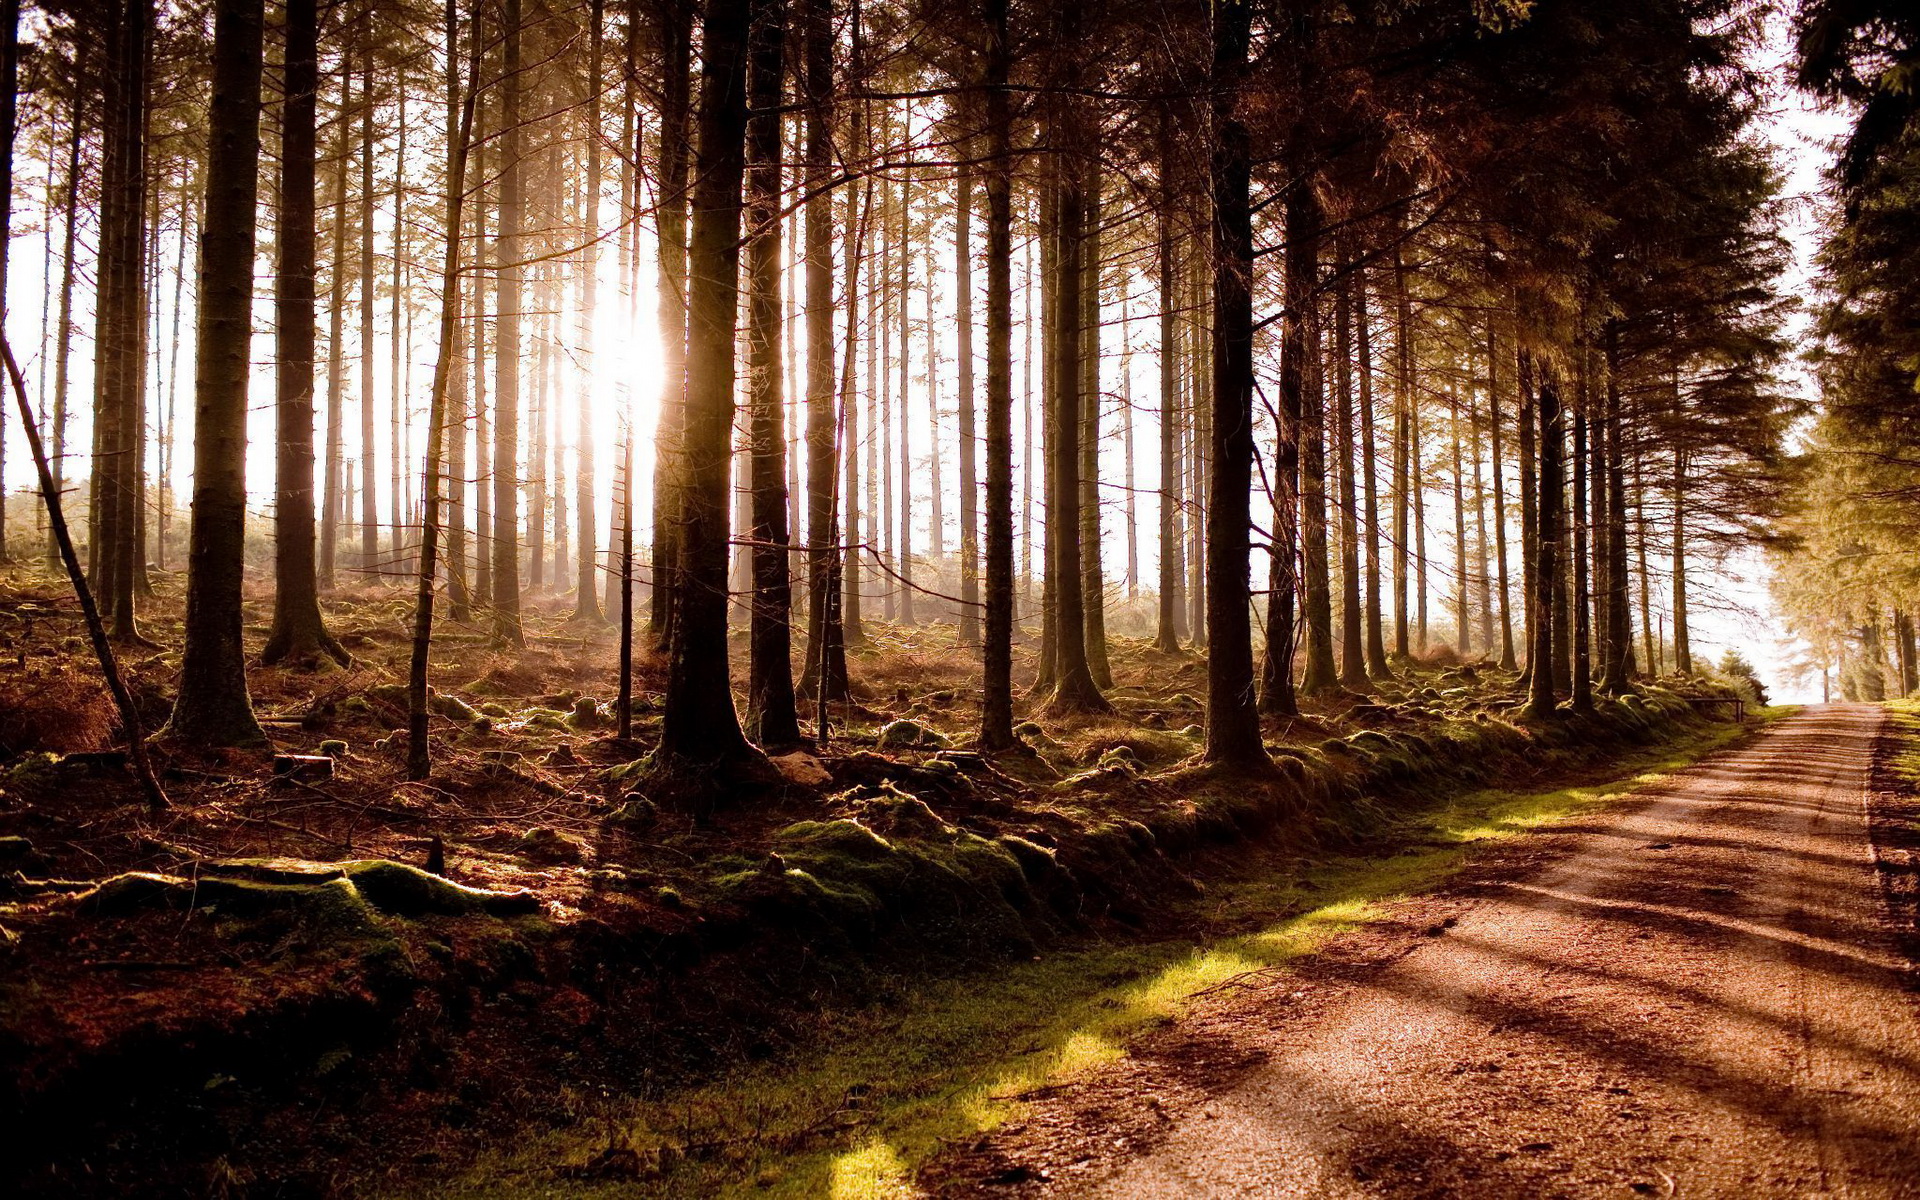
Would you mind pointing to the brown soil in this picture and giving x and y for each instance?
(1698, 993)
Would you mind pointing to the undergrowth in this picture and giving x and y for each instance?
(886, 1087)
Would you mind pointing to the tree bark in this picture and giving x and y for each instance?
(1546, 564)
(419, 760)
(212, 708)
(1233, 717)
(676, 39)
(1170, 622)
(701, 727)
(586, 592)
(772, 718)
(299, 632)
(966, 404)
(996, 712)
(506, 344)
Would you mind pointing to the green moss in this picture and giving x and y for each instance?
(408, 891)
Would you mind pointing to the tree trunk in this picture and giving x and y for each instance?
(1170, 624)
(212, 708)
(370, 565)
(1405, 497)
(1093, 587)
(1277, 696)
(996, 711)
(670, 221)
(826, 674)
(1353, 655)
(1682, 646)
(965, 405)
(1580, 685)
(1462, 579)
(63, 342)
(772, 718)
(1507, 660)
(120, 314)
(1233, 717)
(298, 631)
(506, 345)
(419, 762)
(1074, 688)
(701, 727)
(1546, 564)
(586, 592)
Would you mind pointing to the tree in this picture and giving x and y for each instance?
(299, 632)
(701, 728)
(213, 708)
(771, 715)
(1233, 718)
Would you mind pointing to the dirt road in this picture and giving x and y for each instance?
(1701, 997)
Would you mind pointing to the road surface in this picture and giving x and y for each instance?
(1698, 993)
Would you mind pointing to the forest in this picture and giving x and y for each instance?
(555, 552)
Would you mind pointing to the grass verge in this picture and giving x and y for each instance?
(885, 1087)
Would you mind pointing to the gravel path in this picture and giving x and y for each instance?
(1697, 994)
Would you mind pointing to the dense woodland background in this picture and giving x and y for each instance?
(1316, 336)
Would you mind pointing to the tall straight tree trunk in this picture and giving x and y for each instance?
(586, 599)
(1462, 577)
(1170, 622)
(1353, 655)
(1405, 495)
(701, 728)
(120, 314)
(506, 344)
(482, 413)
(1580, 684)
(369, 494)
(298, 631)
(1482, 573)
(965, 406)
(212, 707)
(852, 630)
(772, 718)
(1277, 695)
(1377, 666)
(1199, 409)
(1546, 556)
(826, 676)
(996, 710)
(9, 100)
(1093, 588)
(1074, 689)
(1233, 716)
(1320, 673)
(1495, 424)
(460, 136)
(1619, 667)
(63, 341)
(903, 302)
(1529, 495)
(670, 222)
(332, 504)
(396, 363)
(1682, 644)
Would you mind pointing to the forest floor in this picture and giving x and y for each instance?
(258, 991)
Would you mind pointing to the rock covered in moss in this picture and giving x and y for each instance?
(334, 748)
(543, 844)
(587, 714)
(910, 735)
